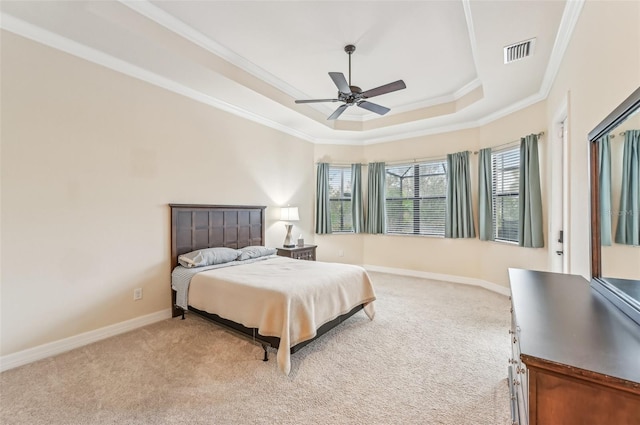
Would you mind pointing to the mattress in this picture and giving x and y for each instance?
(282, 297)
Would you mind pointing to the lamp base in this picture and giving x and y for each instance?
(287, 240)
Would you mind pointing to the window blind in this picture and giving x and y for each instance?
(340, 199)
(416, 198)
(505, 181)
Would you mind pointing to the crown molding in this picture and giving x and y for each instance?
(426, 103)
(401, 136)
(570, 16)
(514, 107)
(42, 36)
(568, 22)
(569, 19)
(466, 5)
(170, 22)
(461, 92)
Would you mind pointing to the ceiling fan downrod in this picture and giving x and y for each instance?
(349, 48)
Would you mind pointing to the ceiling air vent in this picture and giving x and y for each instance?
(518, 51)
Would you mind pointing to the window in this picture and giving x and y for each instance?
(340, 199)
(416, 198)
(505, 181)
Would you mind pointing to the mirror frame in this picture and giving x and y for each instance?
(598, 282)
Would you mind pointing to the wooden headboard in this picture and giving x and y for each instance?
(205, 226)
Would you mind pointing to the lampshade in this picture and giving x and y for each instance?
(289, 214)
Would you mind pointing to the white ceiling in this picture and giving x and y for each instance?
(254, 58)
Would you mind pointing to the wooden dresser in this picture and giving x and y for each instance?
(576, 357)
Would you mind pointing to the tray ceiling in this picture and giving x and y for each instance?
(254, 58)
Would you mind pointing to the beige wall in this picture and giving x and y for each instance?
(498, 257)
(601, 67)
(470, 258)
(595, 76)
(90, 160)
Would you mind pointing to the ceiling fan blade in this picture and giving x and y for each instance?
(387, 88)
(381, 110)
(317, 100)
(340, 82)
(337, 112)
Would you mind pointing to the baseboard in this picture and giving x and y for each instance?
(30, 355)
(502, 290)
(40, 352)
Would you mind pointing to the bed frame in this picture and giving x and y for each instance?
(233, 226)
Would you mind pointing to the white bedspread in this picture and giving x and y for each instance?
(281, 297)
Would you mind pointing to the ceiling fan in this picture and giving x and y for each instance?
(353, 95)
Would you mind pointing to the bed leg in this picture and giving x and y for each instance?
(182, 314)
(266, 356)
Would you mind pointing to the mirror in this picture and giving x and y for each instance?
(615, 219)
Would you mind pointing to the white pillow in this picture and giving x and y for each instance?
(255, 251)
(208, 257)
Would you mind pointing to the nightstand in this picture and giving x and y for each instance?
(307, 252)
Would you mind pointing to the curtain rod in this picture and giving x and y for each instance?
(613, 135)
(509, 143)
(343, 164)
(398, 162)
(414, 160)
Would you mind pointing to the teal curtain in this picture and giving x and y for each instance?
(604, 182)
(376, 209)
(628, 230)
(485, 193)
(530, 199)
(458, 222)
(357, 212)
(323, 210)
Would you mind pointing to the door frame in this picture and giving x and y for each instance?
(559, 195)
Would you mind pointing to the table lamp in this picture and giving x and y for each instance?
(289, 214)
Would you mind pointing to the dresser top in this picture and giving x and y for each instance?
(562, 320)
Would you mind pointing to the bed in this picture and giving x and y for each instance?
(279, 302)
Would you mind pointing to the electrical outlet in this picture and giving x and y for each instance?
(340, 253)
(137, 294)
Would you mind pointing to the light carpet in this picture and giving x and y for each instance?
(436, 353)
